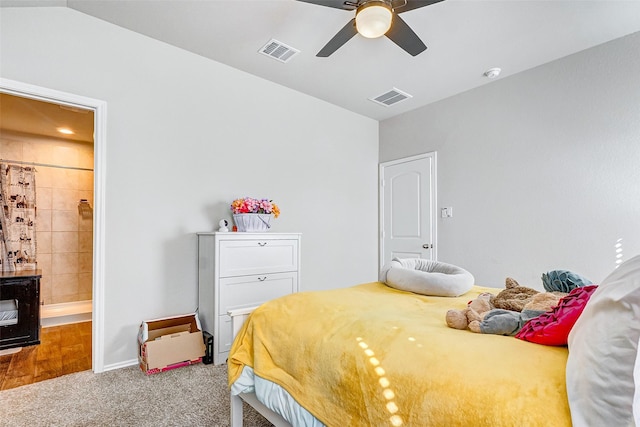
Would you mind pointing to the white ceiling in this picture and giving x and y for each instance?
(464, 39)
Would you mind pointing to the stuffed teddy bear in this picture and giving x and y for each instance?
(475, 311)
(544, 301)
(509, 322)
(514, 297)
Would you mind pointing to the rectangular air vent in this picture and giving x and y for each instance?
(391, 97)
(278, 50)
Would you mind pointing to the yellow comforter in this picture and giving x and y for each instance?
(370, 355)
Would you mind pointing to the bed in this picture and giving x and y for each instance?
(377, 356)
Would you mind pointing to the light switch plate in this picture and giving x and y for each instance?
(446, 212)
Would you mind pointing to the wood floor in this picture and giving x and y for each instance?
(62, 350)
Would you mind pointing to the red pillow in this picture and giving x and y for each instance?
(553, 327)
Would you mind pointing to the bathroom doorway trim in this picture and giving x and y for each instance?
(99, 166)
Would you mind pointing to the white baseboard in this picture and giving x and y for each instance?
(120, 365)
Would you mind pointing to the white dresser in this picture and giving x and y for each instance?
(242, 270)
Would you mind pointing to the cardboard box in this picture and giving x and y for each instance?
(170, 343)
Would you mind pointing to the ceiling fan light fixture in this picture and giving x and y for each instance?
(373, 19)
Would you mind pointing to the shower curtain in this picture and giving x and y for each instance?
(17, 218)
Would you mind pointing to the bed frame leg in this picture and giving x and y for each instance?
(236, 411)
(237, 319)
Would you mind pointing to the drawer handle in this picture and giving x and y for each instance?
(262, 279)
(262, 243)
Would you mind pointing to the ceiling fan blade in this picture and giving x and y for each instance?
(401, 6)
(402, 35)
(343, 36)
(337, 4)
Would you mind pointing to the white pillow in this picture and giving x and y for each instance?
(603, 347)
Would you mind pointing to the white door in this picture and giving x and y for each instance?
(407, 208)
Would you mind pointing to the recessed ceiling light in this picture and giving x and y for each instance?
(66, 131)
(492, 73)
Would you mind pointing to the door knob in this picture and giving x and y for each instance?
(427, 246)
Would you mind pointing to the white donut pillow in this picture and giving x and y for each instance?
(426, 277)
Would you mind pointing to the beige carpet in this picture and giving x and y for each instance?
(195, 396)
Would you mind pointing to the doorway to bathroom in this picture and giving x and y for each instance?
(47, 148)
(58, 135)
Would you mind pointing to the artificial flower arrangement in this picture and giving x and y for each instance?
(251, 205)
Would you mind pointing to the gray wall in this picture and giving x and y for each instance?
(542, 168)
(185, 136)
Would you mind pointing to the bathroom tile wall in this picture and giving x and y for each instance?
(64, 237)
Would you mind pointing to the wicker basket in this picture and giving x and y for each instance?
(252, 222)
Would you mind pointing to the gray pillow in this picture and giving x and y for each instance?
(426, 277)
(563, 281)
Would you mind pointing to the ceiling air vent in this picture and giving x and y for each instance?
(391, 97)
(278, 50)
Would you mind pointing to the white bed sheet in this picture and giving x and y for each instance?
(275, 398)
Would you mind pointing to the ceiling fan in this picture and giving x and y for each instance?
(375, 18)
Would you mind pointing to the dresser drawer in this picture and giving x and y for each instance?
(251, 291)
(248, 257)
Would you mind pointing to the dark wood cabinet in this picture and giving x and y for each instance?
(19, 291)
